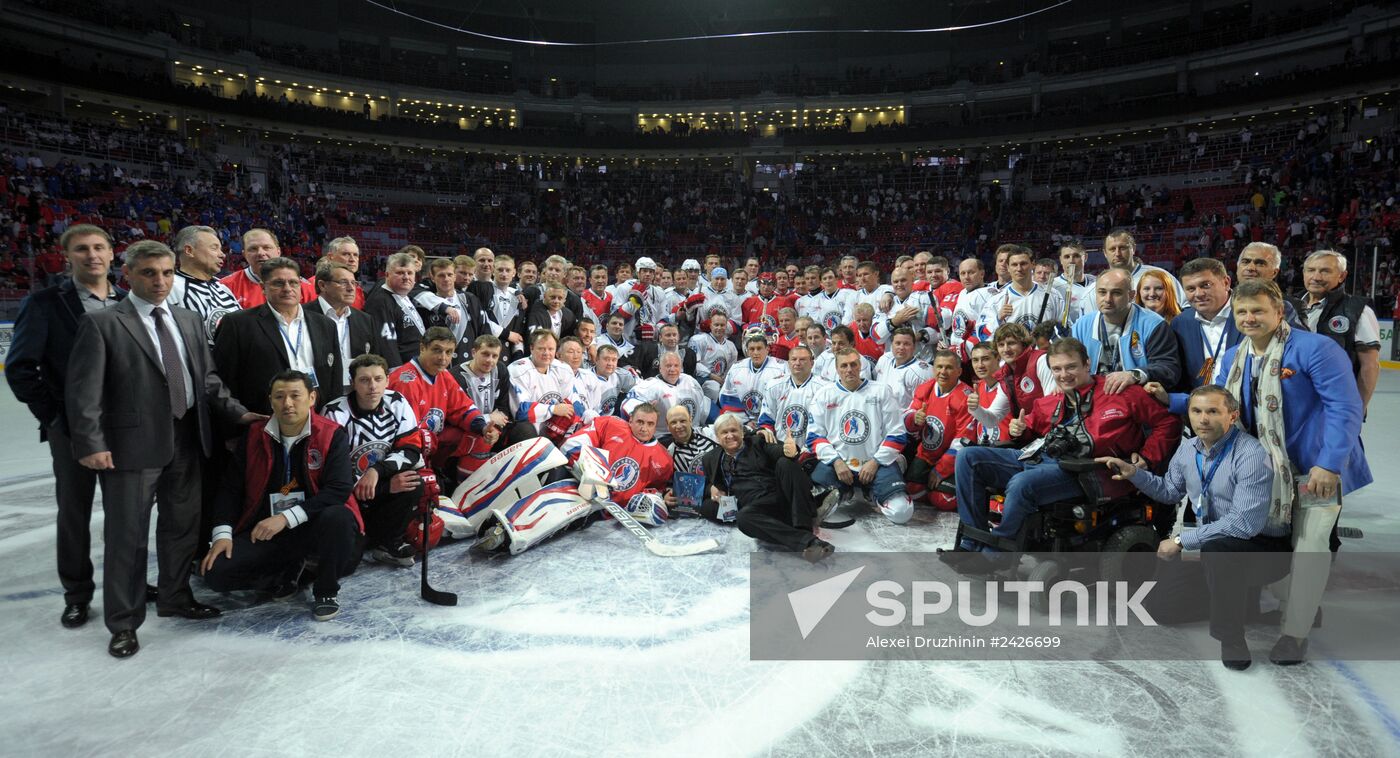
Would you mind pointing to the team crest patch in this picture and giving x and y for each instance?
(433, 420)
(551, 398)
(408, 376)
(1135, 346)
(855, 427)
(994, 434)
(753, 402)
(831, 319)
(211, 322)
(368, 454)
(933, 433)
(625, 473)
(1030, 322)
(795, 418)
(689, 405)
(1339, 324)
(1027, 384)
(313, 459)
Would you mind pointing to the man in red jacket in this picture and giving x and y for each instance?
(288, 494)
(1082, 421)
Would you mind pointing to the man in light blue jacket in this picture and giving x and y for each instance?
(1127, 343)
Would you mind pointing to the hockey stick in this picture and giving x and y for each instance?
(436, 597)
(651, 543)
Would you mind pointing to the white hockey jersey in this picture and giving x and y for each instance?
(613, 388)
(746, 384)
(1082, 297)
(712, 356)
(787, 406)
(825, 367)
(829, 310)
(927, 323)
(533, 394)
(685, 392)
(1028, 310)
(904, 378)
(857, 425)
(876, 298)
(642, 304)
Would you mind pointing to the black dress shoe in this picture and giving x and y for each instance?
(152, 593)
(74, 615)
(194, 611)
(1235, 655)
(1289, 651)
(124, 644)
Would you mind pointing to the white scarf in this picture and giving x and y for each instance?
(1268, 418)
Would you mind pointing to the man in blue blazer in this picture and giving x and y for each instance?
(1321, 412)
(1127, 343)
(1207, 329)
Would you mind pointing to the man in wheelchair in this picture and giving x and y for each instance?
(1081, 422)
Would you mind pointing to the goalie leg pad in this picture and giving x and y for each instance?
(543, 514)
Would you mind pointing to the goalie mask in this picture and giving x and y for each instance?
(648, 508)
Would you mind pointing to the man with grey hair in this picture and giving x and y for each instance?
(1346, 319)
(1260, 260)
(773, 490)
(346, 250)
(390, 303)
(200, 256)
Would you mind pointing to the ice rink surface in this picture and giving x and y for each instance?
(591, 646)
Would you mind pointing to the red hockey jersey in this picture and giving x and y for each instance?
(635, 466)
(947, 421)
(250, 292)
(439, 402)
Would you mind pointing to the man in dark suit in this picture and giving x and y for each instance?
(550, 313)
(141, 413)
(37, 368)
(648, 356)
(555, 267)
(390, 303)
(774, 491)
(255, 344)
(1205, 330)
(357, 332)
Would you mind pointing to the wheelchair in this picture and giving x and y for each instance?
(1090, 535)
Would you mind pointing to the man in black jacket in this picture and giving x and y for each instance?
(358, 332)
(774, 492)
(390, 303)
(255, 344)
(37, 368)
(550, 313)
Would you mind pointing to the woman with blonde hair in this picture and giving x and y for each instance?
(1158, 295)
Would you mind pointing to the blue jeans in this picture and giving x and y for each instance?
(1028, 487)
(888, 481)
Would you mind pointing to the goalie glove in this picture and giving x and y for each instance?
(431, 489)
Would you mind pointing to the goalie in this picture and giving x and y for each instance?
(638, 466)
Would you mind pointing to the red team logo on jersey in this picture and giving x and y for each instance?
(855, 427)
(368, 454)
(933, 433)
(625, 473)
(433, 420)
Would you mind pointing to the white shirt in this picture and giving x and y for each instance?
(1213, 331)
(296, 342)
(146, 311)
(342, 331)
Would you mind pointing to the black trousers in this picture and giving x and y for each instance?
(127, 498)
(1229, 573)
(331, 534)
(387, 515)
(783, 514)
(519, 432)
(74, 486)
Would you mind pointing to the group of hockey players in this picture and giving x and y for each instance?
(871, 387)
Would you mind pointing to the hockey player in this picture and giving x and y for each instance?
(938, 418)
(615, 381)
(596, 298)
(787, 405)
(867, 335)
(825, 363)
(1074, 286)
(638, 300)
(259, 247)
(789, 333)
(671, 388)
(641, 468)
(486, 381)
(748, 381)
(386, 450)
(542, 391)
(1023, 378)
(900, 369)
(586, 385)
(718, 300)
(1022, 301)
(943, 291)
(871, 290)
(985, 390)
(614, 334)
(503, 307)
(201, 257)
(832, 306)
(857, 433)
(714, 355)
(452, 424)
(913, 310)
(762, 308)
(962, 332)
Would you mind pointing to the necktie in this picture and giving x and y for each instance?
(170, 361)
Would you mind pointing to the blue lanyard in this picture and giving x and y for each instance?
(1219, 343)
(1221, 452)
(296, 349)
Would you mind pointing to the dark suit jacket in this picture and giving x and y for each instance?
(367, 335)
(1190, 339)
(465, 377)
(647, 359)
(538, 318)
(249, 351)
(753, 479)
(120, 401)
(572, 301)
(37, 365)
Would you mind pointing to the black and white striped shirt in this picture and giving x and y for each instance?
(211, 299)
(687, 457)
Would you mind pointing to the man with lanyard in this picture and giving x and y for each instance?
(201, 257)
(1080, 421)
(1121, 251)
(1076, 288)
(390, 303)
(1229, 477)
(1206, 329)
(1307, 412)
(1021, 301)
(1127, 343)
(1346, 319)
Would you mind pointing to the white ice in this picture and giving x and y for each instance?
(591, 646)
